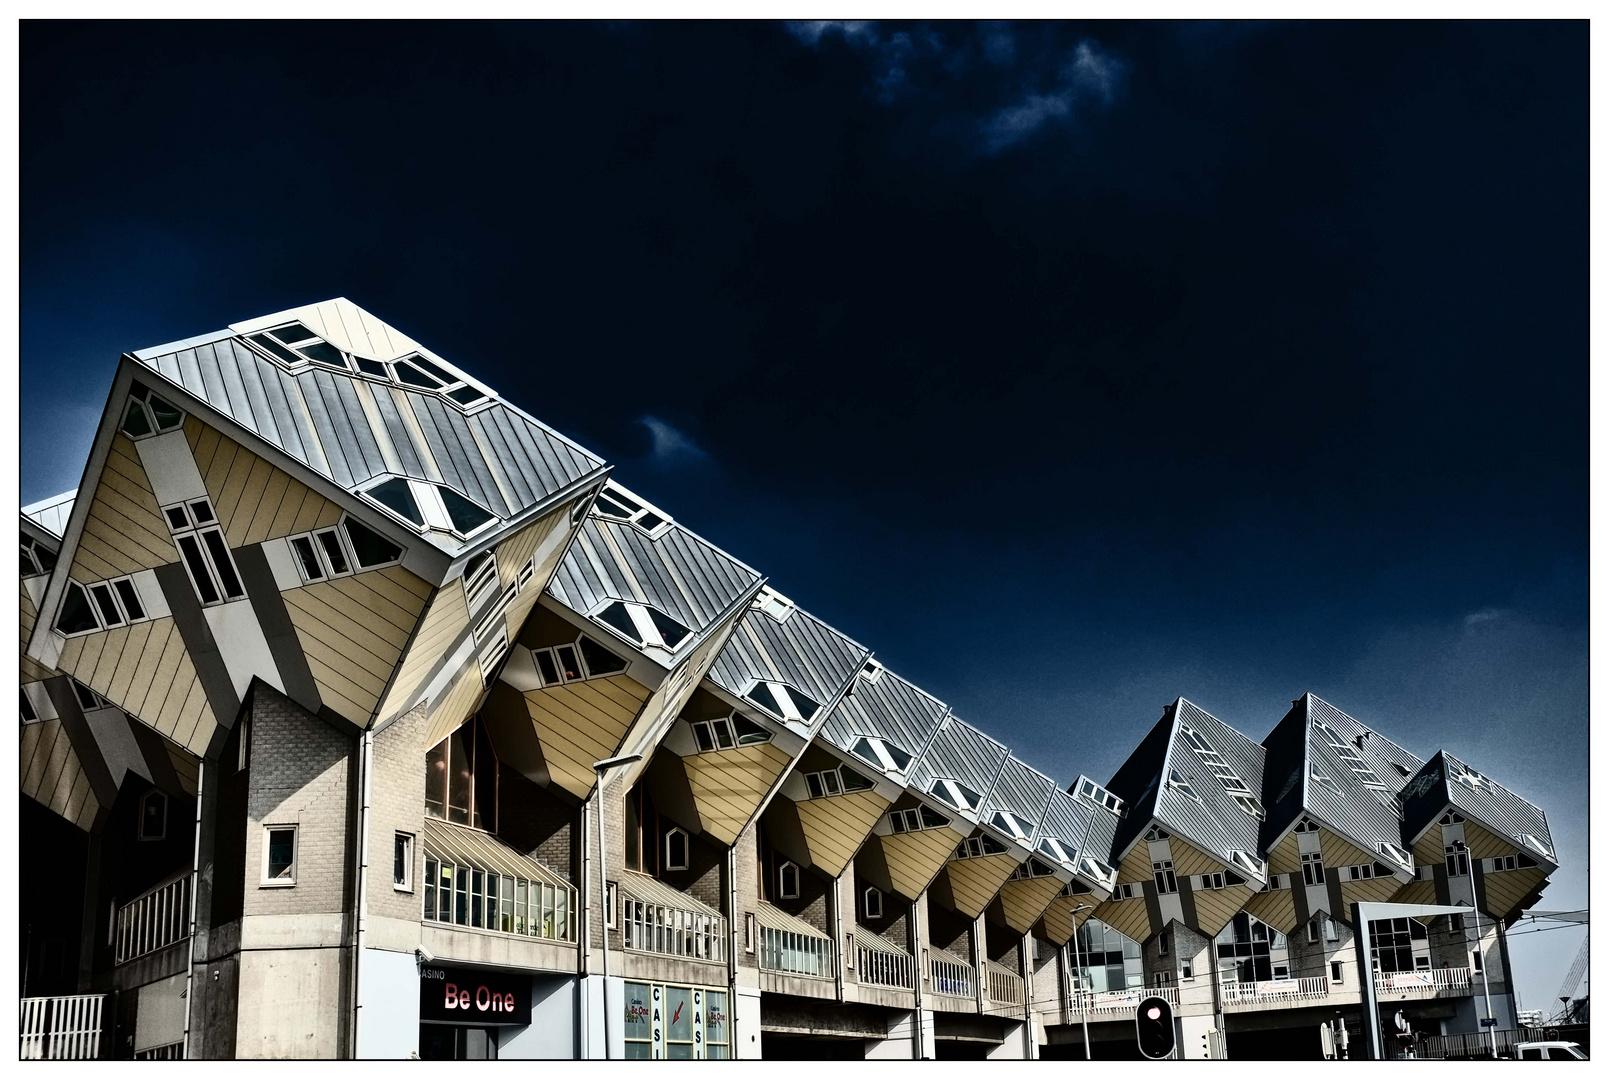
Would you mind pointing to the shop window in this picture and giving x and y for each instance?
(402, 862)
(279, 854)
(461, 778)
(676, 849)
(153, 816)
(788, 881)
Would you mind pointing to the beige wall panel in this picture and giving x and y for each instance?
(144, 670)
(836, 826)
(1276, 908)
(176, 704)
(1373, 891)
(1136, 865)
(1340, 852)
(1430, 849)
(514, 617)
(1060, 922)
(52, 775)
(512, 553)
(1416, 892)
(1215, 907)
(61, 754)
(1507, 889)
(1126, 917)
(254, 500)
(446, 618)
(353, 631)
(61, 792)
(915, 858)
(123, 529)
(32, 670)
(455, 706)
(158, 645)
(37, 742)
(1024, 901)
(132, 657)
(186, 766)
(1189, 859)
(974, 882)
(579, 723)
(1284, 857)
(1484, 844)
(728, 785)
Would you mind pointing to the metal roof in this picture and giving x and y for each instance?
(890, 708)
(352, 427)
(1495, 806)
(1024, 791)
(960, 752)
(1355, 811)
(51, 514)
(800, 650)
(676, 571)
(1214, 821)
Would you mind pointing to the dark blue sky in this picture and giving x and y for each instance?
(1072, 367)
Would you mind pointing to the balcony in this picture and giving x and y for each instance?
(61, 1028)
(151, 922)
(791, 946)
(1428, 983)
(656, 918)
(1004, 985)
(1289, 993)
(879, 962)
(948, 974)
(1118, 1004)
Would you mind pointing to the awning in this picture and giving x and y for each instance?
(867, 939)
(777, 919)
(653, 891)
(483, 851)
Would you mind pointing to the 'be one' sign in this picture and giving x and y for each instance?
(463, 996)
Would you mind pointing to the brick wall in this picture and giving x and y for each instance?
(949, 929)
(397, 805)
(302, 773)
(533, 820)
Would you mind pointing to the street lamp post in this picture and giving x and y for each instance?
(599, 768)
(1486, 984)
(1078, 967)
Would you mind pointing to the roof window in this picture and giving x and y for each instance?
(1395, 854)
(1220, 768)
(774, 604)
(916, 819)
(148, 414)
(1182, 785)
(429, 506)
(1467, 776)
(871, 671)
(979, 846)
(956, 794)
(1535, 843)
(783, 701)
(642, 625)
(1051, 846)
(880, 752)
(1011, 825)
(36, 557)
(1247, 861)
(1093, 791)
(616, 504)
(1325, 781)
(1094, 868)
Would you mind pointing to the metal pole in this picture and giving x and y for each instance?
(1078, 967)
(603, 893)
(1486, 984)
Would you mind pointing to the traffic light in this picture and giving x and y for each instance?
(1153, 1025)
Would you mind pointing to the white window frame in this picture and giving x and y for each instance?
(406, 884)
(687, 848)
(1051, 847)
(1535, 843)
(1091, 790)
(871, 671)
(828, 783)
(1247, 861)
(715, 727)
(637, 510)
(135, 401)
(1127, 890)
(779, 691)
(1162, 875)
(1326, 781)
(977, 847)
(1163, 945)
(1182, 785)
(1312, 867)
(98, 613)
(198, 530)
(644, 624)
(910, 820)
(1013, 826)
(1457, 860)
(782, 878)
(774, 604)
(1395, 854)
(483, 581)
(951, 794)
(295, 829)
(872, 893)
(879, 748)
(427, 497)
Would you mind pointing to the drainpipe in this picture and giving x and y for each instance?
(365, 796)
(918, 974)
(840, 942)
(195, 887)
(731, 947)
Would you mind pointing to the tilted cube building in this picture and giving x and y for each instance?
(364, 715)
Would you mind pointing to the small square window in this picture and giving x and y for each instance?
(1335, 971)
(279, 855)
(402, 862)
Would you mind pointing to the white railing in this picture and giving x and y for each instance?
(1432, 982)
(1273, 991)
(1121, 1002)
(950, 977)
(795, 953)
(884, 969)
(61, 1028)
(659, 928)
(154, 921)
(1004, 985)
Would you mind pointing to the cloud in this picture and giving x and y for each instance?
(670, 445)
(1090, 76)
(1485, 615)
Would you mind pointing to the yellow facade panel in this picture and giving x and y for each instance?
(1127, 917)
(1024, 901)
(728, 785)
(445, 619)
(974, 882)
(836, 826)
(915, 858)
(1215, 907)
(450, 711)
(1276, 907)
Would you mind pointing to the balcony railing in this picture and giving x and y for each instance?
(652, 925)
(1273, 992)
(1107, 1004)
(949, 975)
(153, 921)
(1431, 982)
(1004, 985)
(61, 1028)
(876, 967)
(794, 953)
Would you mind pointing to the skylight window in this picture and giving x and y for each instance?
(1395, 854)
(1247, 861)
(1251, 805)
(1220, 768)
(1051, 846)
(1348, 754)
(880, 752)
(774, 604)
(148, 414)
(783, 701)
(1325, 781)
(642, 625)
(1093, 791)
(36, 557)
(465, 515)
(1469, 777)
(956, 794)
(429, 506)
(1536, 844)
(614, 503)
(1094, 868)
(871, 671)
(1012, 825)
(1182, 785)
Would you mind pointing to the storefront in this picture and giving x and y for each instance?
(677, 1023)
(463, 1013)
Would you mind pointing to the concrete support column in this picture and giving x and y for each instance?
(980, 954)
(1025, 954)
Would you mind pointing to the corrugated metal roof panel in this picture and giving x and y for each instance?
(890, 709)
(654, 891)
(1354, 811)
(1508, 813)
(800, 650)
(960, 752)
(1214, 821)
(1023, 791)
(51, 514)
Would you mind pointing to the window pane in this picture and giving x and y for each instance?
(281, 854)
(369, 547)
(276, 348)
(465, 515)
(544, 664)
(108, 609)
(291, 333)
(309, 560)
(399, 860)
(465, 395)
(678, 1013)
(485, 780)
(324, 353)
(372, 367)
(201, 510)
(166, 415)
(459, 778)
(430, 888)
(396, 494)
(433, 369)
(600, 661)
(723, 734)
(198, 569)
(619, 618)
(461, 896)
(477, 897)
(224, 564)
(520, 906)
(749, 732)
(414, 377)
(131, 599)
(134, 422)
(507, 894)
(436, 780)
(802, 702)
(569, 662)
(673, 632)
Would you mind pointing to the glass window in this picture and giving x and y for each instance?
(279, 859)
(76, 615)
(130, 598)
(402, 862)
(153, 816)
(323, 352)
(436, 780)
(465, 515)
(369, 548)
(599, 661)
(485, 793)
(676, 850)
(307, 558)
(617, 617)
(788, 881)
(460, 777)
(396, 495)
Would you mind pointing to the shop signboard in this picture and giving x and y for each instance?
(454, 995)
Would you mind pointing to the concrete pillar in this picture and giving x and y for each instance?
(980, 954)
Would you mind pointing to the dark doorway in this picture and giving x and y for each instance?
(803, 1048)
(447, 1042)
(961, 1049)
